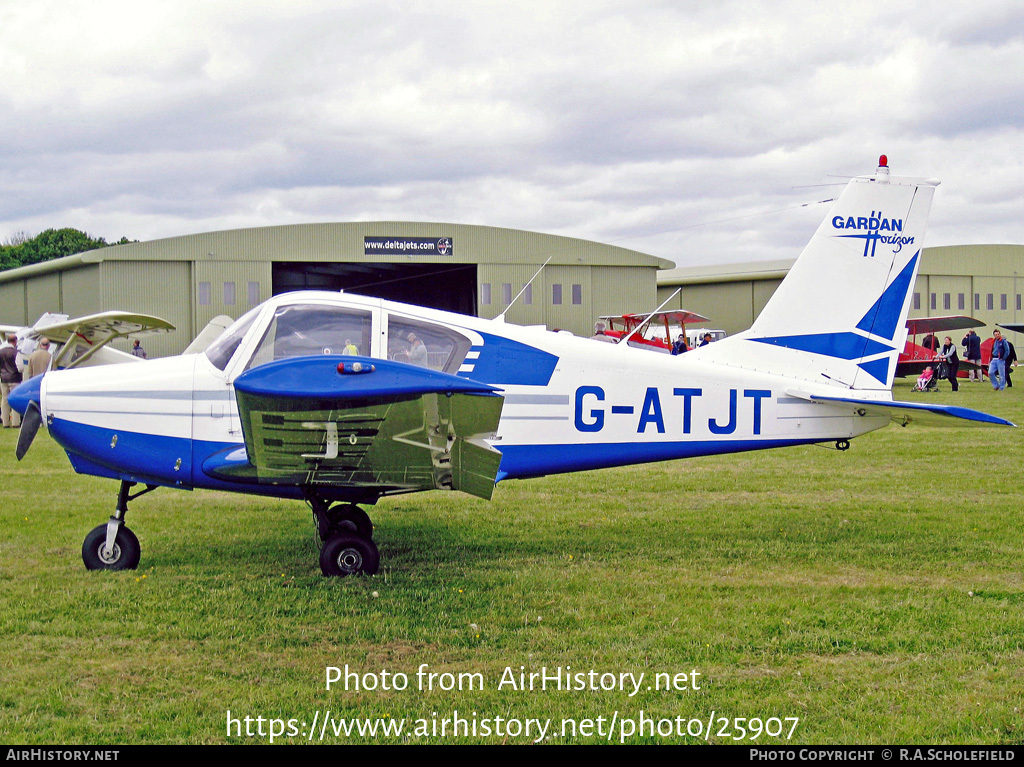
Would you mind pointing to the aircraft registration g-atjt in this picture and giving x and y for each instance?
(340, 399)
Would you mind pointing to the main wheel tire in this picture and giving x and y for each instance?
(348, 519)
(124, 556)
(345, 555)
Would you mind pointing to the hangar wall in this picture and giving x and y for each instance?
(981, 281)
(189, 280)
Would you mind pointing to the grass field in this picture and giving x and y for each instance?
(876, 595)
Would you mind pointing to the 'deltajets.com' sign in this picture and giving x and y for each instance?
(399, 246)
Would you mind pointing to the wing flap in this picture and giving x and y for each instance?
(389, 428)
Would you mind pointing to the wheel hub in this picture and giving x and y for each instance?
(350, 560)
(109, 556)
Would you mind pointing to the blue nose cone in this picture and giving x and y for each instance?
(25, 393)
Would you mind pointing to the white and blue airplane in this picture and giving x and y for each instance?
(341, 399)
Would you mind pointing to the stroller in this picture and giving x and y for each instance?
(928, 381)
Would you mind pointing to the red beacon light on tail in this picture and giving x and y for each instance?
(882, 174)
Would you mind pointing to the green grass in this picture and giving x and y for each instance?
(876, 594)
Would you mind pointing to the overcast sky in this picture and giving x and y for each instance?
(689, 130)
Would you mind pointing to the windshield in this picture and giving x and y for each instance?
(221, 350)
(300, 330)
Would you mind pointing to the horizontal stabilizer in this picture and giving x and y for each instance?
(905, 413)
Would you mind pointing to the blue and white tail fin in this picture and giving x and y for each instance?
(839, 316)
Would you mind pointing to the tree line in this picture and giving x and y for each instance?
(23, 250)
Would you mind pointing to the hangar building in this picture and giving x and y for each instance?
(474, 270)
(982, 281)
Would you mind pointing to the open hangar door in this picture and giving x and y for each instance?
(451, 287)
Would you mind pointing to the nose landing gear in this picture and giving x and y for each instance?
(113, 546)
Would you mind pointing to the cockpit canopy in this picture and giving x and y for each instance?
(281, 329)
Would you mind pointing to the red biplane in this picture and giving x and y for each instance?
(655, 331)
(916, 357)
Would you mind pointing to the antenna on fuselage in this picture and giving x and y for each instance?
(647, 319)
(501, 317)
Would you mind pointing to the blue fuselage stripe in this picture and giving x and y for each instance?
(521, 461)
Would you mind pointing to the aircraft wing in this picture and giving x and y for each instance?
(1016, 327)
(674, 315)
(905, 413)
(209, 334)
(919, 325)
(104, 327)
(366, 427)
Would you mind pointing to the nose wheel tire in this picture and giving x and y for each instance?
(123, 555)
(344, 555)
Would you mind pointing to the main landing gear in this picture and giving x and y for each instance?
(113, 546)
(347, 536)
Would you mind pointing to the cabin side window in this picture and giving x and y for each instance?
(425, 344)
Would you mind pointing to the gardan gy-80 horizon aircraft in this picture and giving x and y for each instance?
(341, 399)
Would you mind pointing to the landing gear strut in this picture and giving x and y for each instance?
(347, 536)
(113, 546)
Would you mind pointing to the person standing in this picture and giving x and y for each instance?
(1011, 362)
(997, 367)
(952, 362)
(39, 360)
(972, 353)
(137, 350)
(10, 377)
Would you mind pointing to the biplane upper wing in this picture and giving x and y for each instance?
(363, 427)
(917, 325)
(673, 315)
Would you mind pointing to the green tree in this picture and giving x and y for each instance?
(22, 250)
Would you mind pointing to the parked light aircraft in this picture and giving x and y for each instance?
(915, 358)
(655, 331)
(83, 341)
(341, 399)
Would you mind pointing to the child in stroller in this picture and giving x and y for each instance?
(927, 381)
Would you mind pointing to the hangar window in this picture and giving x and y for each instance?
(556, 295)
(990, 303)
(425, 344)
(506, 293)
(302, 330)
(1018, 302)
(528, 295)
(577, 295)
(1002, 302)
(960, 301)
(946, 301)
(933, 301)
(485, 293)
(254, 293)
(203, 294)
(917, 300)
(977, 300)
(229, 294)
